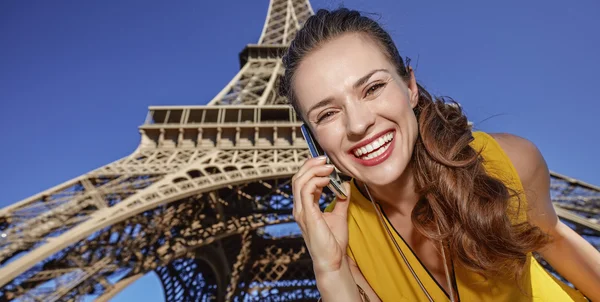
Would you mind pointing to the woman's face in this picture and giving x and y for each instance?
(358, 108)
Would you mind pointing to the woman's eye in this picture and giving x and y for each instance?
(324, 116)
(374, 88)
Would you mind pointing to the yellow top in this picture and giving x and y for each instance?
(382, 266)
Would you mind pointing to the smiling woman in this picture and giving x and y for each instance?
(435, 211)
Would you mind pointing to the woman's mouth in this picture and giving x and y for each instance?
(376, 151)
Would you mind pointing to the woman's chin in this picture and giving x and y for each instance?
(379, 180)
(382, 177)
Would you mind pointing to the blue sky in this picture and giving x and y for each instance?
(76, 77)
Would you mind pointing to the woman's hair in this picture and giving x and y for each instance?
(472, 208)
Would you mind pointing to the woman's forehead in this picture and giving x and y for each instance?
(335, 66)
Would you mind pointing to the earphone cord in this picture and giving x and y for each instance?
(450, 287)
(378, 211)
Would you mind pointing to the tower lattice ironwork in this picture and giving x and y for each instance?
(204, 201)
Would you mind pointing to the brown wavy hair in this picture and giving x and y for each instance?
(471, 208)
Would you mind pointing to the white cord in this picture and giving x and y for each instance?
(450, 287)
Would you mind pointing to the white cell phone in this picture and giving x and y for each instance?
(335, 183)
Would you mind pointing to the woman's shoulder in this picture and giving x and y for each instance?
(520, 153)
(516, 162)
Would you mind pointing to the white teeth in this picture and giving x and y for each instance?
(374, 148)
(377, 153)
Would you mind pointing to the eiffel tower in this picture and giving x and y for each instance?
(204, 201)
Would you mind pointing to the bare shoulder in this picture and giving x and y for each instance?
(535, 177)
(524, 155)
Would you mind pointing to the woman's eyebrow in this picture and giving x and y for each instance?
(366, 77)
(320, 104)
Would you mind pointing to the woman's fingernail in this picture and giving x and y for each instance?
(329, 166)
(322, 157)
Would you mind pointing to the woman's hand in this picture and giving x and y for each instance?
(325, 234)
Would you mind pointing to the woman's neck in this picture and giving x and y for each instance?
(398, 196)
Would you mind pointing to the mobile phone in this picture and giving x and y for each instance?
(335, 183)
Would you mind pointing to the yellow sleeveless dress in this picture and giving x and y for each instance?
(382, 266)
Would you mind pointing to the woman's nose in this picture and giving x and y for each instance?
(359, 118)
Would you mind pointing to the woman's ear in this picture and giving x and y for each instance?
(413, 89)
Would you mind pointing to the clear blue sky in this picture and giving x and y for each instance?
(76, 77)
